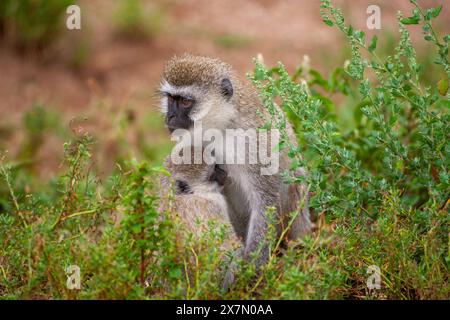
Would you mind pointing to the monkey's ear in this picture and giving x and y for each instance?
(226, 88)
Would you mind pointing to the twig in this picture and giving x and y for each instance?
(4, 173)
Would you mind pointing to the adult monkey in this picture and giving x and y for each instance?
(202, 89)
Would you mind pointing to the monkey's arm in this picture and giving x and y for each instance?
(257, 237)
(256, 242)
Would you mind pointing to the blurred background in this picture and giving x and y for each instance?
(56, 83)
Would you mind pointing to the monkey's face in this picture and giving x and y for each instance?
(184, 105)
(190, 179)
(178, 109)
(197, 88)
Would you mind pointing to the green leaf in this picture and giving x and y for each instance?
(323, 184)
(327, 103)
(360, 35)
(318, 79)
(373, 44)
(393, 120)
(436, 11)
(349, 30)
(411, 20)
(136, 228)
(442, 87)
(328, 22)
(407, 87)
(175, 273)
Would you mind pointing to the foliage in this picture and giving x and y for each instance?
(134, 19)
(385, 184)
(33, 23)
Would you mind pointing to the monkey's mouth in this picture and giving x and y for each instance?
(174, 124)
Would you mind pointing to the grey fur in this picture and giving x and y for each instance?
(203, 203)
(247, 192)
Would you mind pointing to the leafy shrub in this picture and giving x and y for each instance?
(125, 247)
(385, 184)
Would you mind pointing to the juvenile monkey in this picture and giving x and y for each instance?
(198, 199)
(198, 196)
(203, 89)
(198, 192)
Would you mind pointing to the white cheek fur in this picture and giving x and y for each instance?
(174, 91)
(215, 119)
(181, 91)
(196, 116)
(163, 106)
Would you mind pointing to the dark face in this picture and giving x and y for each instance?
(179, 107)
(178, 110)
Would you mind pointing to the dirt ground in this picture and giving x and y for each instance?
(128, 71)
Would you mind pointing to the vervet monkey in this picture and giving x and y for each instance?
(195, 89)
(198, 200)
(198, 192)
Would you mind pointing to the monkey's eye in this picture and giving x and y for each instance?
(182, 187)
(169, 99)
(186, 102)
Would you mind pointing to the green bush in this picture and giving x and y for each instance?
(384, 184)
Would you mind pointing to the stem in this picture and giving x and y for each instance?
(4, 173)
(76, 214)
(142, 268)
